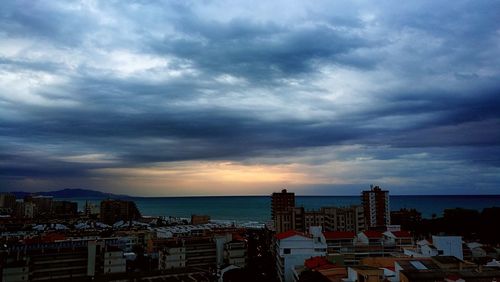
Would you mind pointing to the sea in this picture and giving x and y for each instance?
(257, 209)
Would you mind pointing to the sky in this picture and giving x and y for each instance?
(159, 98)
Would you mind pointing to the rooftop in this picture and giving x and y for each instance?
(401, 234)
(288, 234)
(447, 259)
(339, 235)
(372, 234)
(318, 263)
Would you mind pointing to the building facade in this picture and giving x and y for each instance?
(7, 201)
(115, 210)
(281, 202)
(376, 207)
(293, 248)
(344, 218)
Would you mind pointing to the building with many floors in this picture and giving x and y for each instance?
(7, 201)
(281, 201)
(62, 260)
(376, 207)
(344, 218)
(206, 252)
(288, 217)
(115, 210)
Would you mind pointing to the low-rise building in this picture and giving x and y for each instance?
(401, 239)
(364, 273)
(199, 219)
(292, 248)
(323, 268)
(338, 240)
(437, 246)
(370, 237)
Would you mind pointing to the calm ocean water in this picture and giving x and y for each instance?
(257, 208)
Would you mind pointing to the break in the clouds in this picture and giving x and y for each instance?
(225, 97)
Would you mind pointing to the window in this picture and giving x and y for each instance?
(287, 251)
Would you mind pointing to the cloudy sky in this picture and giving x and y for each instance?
(215, 97)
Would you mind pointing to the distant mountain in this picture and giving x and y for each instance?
(72, 193)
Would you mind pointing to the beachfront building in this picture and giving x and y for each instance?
(199, 219)
(7, 201)
(281, 202)
(116, 210)
(292, 248)
(376, 207)
(286, 216)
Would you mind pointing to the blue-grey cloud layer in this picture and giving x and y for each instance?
(133, 84)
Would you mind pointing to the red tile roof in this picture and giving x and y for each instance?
(318, 263)
(401, 234)
(453, 277)
(339, 235)
(289, 233)
(372, 234)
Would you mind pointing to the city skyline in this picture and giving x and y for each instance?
(246, 98)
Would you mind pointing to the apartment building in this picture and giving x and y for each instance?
(65, 259)
(206, 252)
(115, 210)
(292, 218)
(288, 217)
(172, 256)
(344, 218)
(281, 202)
(114, 261)
(376, 207)
(7, 201)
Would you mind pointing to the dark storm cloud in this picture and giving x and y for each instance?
(90, 85)
(261, 52)
(42, 20)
